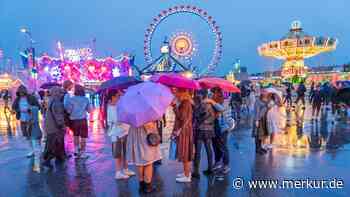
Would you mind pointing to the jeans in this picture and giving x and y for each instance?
(220, 148)
(198, 149)
(288, 100)
(302, 98)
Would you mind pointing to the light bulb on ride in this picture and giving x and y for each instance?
(164, 49)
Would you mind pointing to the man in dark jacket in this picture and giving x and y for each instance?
(301, 93)
(204, 119)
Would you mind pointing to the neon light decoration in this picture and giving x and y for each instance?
(87, 69)
(188, 9)
(294, 48)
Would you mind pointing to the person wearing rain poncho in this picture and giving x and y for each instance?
(276, 116)
(118, 133)
(54, 128)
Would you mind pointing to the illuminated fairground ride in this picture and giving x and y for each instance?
(181, 47)
(80, 66)
(294, 48)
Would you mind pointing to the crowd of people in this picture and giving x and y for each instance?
(203, 117)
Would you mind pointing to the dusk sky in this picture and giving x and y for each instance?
(119, 26)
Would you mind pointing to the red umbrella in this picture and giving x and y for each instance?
(212, 82)
(176, 80)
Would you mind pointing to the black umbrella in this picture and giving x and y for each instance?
(118, 83)
(343, 95)
(49, 85)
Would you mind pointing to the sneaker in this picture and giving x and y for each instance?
(36, 168)
(217, 166)
(269, 146)
(76, 154)
(119, 175)
(83, 156)
(30, 154)
(180, 175)
(226, 169)
(128, 172)
(184, 179)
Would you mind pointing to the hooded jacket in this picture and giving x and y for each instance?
(30, 98)
(54, 121)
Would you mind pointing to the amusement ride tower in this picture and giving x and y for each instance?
(294, 48)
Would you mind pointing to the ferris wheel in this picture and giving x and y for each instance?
(182, 44)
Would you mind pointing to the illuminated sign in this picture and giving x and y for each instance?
(76, 55)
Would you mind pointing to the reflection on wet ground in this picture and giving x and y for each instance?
(311, 150)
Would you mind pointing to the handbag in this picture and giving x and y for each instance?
(172, 150)
(153, 139)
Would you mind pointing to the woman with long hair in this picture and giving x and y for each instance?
(22, 106)
(183, 133)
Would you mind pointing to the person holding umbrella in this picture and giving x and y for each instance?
(183, 133)
(140, 107)
(118, 132)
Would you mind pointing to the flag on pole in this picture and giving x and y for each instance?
(24, 57)
(1, 54)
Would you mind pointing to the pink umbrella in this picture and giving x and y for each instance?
(176, 80)
(212, 82)
(143, 103)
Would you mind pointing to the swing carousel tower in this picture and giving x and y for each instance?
(294, 48)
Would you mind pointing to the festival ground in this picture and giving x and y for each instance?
(314, 152)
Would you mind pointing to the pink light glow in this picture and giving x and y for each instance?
(58, 70)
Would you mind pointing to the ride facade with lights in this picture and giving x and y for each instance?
(80, 66)
(294, 48)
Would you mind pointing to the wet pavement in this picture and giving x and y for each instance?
(314, 151)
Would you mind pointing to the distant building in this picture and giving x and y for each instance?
(240, 72)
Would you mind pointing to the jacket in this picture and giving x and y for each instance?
(204, 117)
(31, 101)
(225, 121)
(54, 121)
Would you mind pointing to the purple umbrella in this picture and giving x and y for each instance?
(143, 103)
